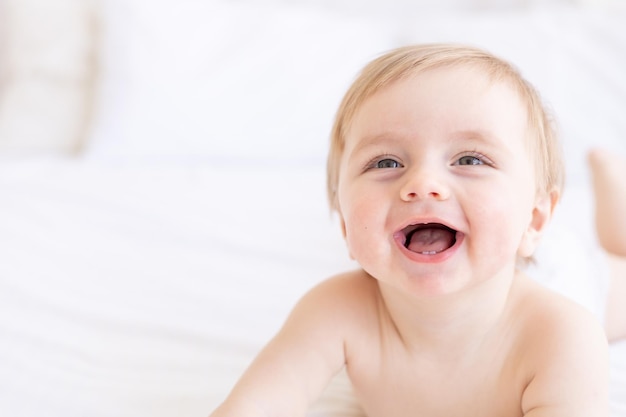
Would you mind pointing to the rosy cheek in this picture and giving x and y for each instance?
(355, 234)
(511, 232)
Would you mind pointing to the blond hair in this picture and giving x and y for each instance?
(411, 60)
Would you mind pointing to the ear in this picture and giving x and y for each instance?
(541, 216)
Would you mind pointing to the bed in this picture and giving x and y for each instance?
(162, 202)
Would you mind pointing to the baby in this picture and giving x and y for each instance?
(445, 172)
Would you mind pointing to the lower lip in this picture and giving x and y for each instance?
(426, 258)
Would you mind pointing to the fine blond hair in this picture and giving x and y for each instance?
(411, 60)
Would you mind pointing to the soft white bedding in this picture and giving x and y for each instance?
(144, 290)
(140, 277)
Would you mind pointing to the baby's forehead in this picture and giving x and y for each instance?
(461, 91)
(481, 76)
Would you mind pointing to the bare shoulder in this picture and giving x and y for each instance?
(296, 365)
(549, 317)
(347, 297)
(340, 311)
(350, 284)
(333, 312)
(565, 355)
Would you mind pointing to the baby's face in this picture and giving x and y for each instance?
(437, 188)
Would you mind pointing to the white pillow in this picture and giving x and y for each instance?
(45, 51)
(191, 78)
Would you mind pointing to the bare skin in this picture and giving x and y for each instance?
(438, 201)
(509, 371)
(609, 183)
(608, 172)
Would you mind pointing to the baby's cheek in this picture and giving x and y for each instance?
(512, 240)
(501, 227)
(356, 240)
(362, 242)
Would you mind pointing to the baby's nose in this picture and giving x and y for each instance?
(422, 184)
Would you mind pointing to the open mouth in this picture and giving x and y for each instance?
(429, 238)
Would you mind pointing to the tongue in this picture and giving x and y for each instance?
(430, 240)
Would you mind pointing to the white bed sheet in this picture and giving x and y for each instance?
(147, 289)
(137, 282)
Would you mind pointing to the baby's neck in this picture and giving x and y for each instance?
(451, 324)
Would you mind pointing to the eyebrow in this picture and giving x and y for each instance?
(374, 140)
(470, 135)
(477, 135)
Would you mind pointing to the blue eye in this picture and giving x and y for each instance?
(470, 160)
(387, 163)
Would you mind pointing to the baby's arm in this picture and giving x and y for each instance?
(569, 373)
(293, 369)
